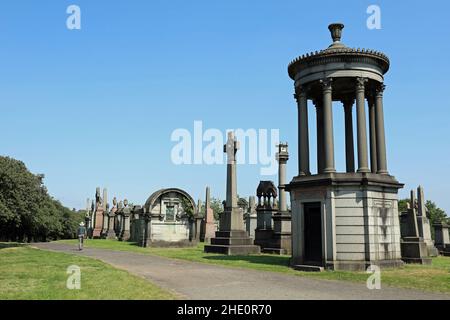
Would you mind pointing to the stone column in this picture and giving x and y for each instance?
(379, 123)
(303, 135)
(372, 135)
(282, 157)
(320, 145)
(349, 143)
(328, 126)
(363, 163)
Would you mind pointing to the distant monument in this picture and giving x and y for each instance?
(209, 225)
(111, 234)
(343, 220)
(414, 249)
(251, 217)
(100, 208)
(232, 238)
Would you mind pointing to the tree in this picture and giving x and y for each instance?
(217, 207)
(27, 212)
(435, 213)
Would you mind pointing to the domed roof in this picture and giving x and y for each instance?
(338, 52)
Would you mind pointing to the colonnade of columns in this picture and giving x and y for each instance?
(325, 138)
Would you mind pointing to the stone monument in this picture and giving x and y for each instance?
(251, 217)
(126, 212)
(267, 206)
(209, 225)
(424, 223)
(413, 247)
(281, 238)
(442, 238)
(99, 214)
(232, 238)
(111, 234)
(343, 220)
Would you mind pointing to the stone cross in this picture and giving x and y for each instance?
(230, 149)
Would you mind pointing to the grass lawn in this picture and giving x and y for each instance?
(434, 278)
(31, 274)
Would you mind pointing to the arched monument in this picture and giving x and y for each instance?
(343, 220)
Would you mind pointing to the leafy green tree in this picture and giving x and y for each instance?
(27, 212)
(435, 213)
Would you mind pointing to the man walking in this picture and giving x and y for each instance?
(81, 234)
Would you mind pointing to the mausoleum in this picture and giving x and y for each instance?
(349, 219)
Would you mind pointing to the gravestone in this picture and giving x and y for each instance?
(126, 212)
(413, 248)
(232, 238)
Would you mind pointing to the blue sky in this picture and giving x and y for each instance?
(97, 106)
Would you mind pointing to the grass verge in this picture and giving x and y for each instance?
(32, 274)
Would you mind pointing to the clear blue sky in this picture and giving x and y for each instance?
(97, 106)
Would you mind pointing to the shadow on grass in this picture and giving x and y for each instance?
(5, 245)
(268, 260)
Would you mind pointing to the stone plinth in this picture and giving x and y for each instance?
(415, 250)
(345, 221)
(442, 238)
(98, 223)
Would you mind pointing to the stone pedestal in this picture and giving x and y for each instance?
(264, 228)
(98, 223)
(442, 238)
(250, 224)
(111, 234)
(414, 250)
(125, 235)
(281, 242)
(345, 221)
(232, 239)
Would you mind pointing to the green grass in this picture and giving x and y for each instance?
(435, 278)
(32, 274)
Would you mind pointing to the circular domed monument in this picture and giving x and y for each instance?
(343, 220)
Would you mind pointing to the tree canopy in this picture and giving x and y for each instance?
(27, 211)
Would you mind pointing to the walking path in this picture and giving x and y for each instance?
(203, 281)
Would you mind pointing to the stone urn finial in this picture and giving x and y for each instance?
(336, 32)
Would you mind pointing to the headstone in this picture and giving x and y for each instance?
(442, 238)
(232, 237)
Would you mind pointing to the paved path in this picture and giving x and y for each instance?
(203, 281)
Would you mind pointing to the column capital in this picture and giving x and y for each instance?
(326, 84)
(301, 91)
(361, 83)
(348, 103)
(379, 90)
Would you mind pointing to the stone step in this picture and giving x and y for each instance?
(232, 234)
(233, 249)
(274, 251)
(308, 268)
(232, 241)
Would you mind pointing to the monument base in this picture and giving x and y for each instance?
(125, 236)
(97, 233)
(415, 250)
(345, 221)
(111, 235)
(232, 243)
